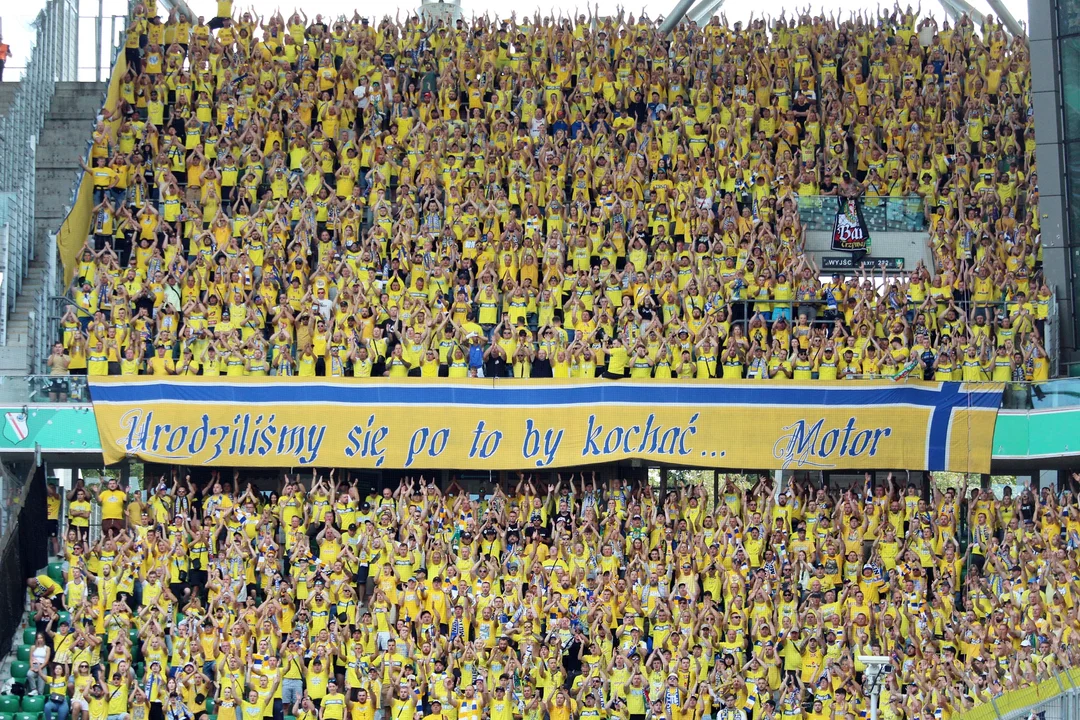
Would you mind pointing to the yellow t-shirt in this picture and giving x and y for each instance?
(112, 504)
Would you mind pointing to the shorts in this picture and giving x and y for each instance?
(111, 525)
(79, 705)
(52, 527)
(291, 691)
(57, 386)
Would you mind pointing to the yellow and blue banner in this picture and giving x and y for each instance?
(509, 424)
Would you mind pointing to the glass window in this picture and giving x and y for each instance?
(1068, 16)
(1072, 189)
(1072, 196)
(1070, 85)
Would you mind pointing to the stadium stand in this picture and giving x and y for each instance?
(549, 197)
(581, 599)
(539, 197)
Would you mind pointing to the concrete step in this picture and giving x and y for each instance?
(81, 86)
(42, 228)
(61, 100)
(66, 163)
(96, 91)
(71, 109)
(14, 358)
(69, 124)
(49, 179)
(58, 187)
(47, 215)
(61, 155)
(61, 132)
(48, 221)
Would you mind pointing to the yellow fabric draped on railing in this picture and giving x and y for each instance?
(71, 237)
(1023, 698)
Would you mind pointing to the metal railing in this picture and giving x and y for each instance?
(39, 327)
(54, 59)
(22, 389)
(882, 214)
(1058, 393)
(1053, 698)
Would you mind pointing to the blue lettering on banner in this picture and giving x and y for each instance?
(546, 444)
(653, 438)
(806, 445)
(247, 434)
(365, 441)
(425, 441)
(484, 444)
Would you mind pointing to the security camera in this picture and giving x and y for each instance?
(876, 667)
(877, 661)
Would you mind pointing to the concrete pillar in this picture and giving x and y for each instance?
(672, 21)
(1006, 17)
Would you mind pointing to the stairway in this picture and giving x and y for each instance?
(61, 144)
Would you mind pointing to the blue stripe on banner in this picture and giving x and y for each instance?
(943, 398)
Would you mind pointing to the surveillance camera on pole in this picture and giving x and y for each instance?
(877, 667)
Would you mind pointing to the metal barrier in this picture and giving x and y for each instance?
(1057, 394)
(23, 547)
(23, 389)
(882, 214)
(1055, 697)
(54, 59)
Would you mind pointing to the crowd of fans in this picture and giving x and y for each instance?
(563, 197)
(571, 601)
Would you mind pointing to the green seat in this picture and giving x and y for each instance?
(33, 704)
(7, 716)
(63, 617)
(133, 636)
(27, 716)
(19, 670)
(23, 653)
(29, 635)
(9, 704)
(211, 706)
(56, 572)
